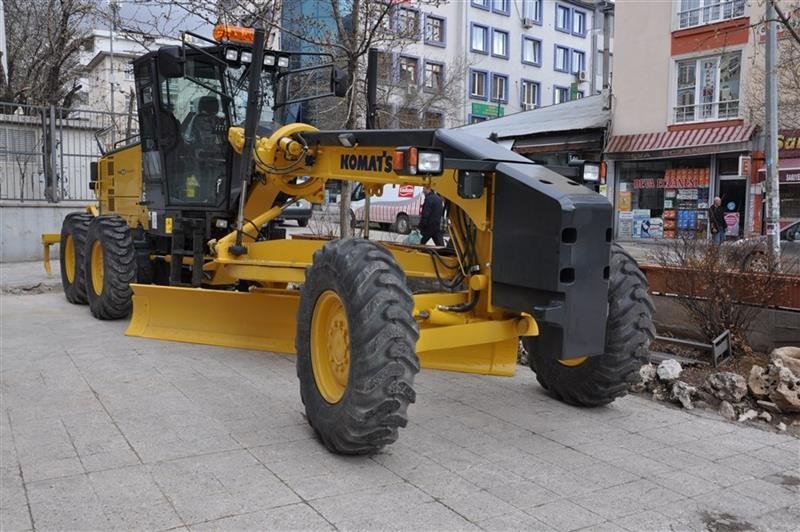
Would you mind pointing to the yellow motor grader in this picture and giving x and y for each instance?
(185, 236)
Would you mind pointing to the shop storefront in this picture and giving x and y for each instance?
(788, 178)
(664, 183)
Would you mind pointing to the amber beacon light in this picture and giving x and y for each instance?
(225, 32)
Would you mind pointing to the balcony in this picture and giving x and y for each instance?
(720, 110)
(710, 13)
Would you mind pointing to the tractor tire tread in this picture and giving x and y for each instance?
(383, 364)
(602, 379)
(77, 224)
(119, 261)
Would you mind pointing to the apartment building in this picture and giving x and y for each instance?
(684, 118)
(467, 61)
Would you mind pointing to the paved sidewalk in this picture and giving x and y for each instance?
(29, 277)
(101, 431)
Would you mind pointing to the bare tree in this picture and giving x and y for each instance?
(44, 38)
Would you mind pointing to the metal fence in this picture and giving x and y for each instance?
(45, 151)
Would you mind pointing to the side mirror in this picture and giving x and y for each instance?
(338, 82)
(170, 62)
(358, 193)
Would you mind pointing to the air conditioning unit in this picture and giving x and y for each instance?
(528, 106)
(528, 22)
(582, 75)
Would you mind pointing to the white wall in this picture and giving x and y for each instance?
(21, 227)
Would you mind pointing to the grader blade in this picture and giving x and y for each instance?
(261, 319)
(265, 320)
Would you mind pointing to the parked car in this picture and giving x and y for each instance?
(790, 245)
(396, 209)
(300, 212)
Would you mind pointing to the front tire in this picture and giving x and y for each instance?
(110, 266)
(598, 380)
(356, 346)
(71, 251)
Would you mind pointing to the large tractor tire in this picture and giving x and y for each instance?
(110, 266)
(356, 346)
(73, 242)
(598, 380)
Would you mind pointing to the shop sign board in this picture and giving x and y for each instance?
(671, 182)
(789, 176)
(488, 110)
(788, 143)
(745, 163)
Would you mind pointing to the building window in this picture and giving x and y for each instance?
(529, 97)
(408, 70)
(408, 23)
(578, 23)
(500, 43)
(562, 19)
(562, 59)
(500, 6)
(708, 88)
(699, 12)
(476, 119)
(127, 71)
(408, 118)
(560, 94)
(481, 4)
(499, 88)
(480, 39)
(578, 61)
(531, 51)
(434, 76)
(532, 9)
(434, 30)
(477, 84)
(433, 119)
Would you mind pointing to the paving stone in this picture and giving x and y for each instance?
(293, 517)
(66, 504)
(566, 515)
(477, 506)
(684, 483)
(649, 520)
(514, 520)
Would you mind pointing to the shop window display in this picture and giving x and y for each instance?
(657, 200)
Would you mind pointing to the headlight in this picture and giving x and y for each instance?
(269, 60)
(429, 162)
(283, 62)
(247, 57)
(231, 54)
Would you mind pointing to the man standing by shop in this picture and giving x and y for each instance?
(716, 218)
(430, 221)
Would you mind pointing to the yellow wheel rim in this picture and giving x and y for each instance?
(69, 259)
(330, 347)
(573, 362)
(97, 267)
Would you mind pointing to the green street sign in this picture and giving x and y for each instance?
(488, 110)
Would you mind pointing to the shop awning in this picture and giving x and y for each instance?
(683, 143)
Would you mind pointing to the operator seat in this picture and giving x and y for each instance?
(206, 130)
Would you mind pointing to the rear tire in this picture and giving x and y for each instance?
(110, 266)
(356, 346)
(402, 225)
(598, 380)
(71, 251)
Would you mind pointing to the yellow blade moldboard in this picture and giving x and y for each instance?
(265, 320)
(262, 319)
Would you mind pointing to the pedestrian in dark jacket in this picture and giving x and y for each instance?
(716, 218)
(430, 222)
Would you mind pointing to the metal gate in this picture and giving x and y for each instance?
(45, 151)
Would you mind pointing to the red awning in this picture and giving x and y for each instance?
(683, 142)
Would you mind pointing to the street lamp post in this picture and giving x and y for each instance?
(112, 81)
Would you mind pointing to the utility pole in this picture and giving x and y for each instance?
(113, 5)
(771, 153)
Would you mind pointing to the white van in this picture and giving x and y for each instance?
(398, 208)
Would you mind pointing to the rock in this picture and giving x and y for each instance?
(782, 427)
(638, 388)
(766, 416)
(660, 393)
(701, 404)
(789, 356)
(785, 398)
(759, 382)
(727, 411)
(769, 407)
(726, 386)
(683, 393)
(669, 370)
(647, 373)
(747, 416)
